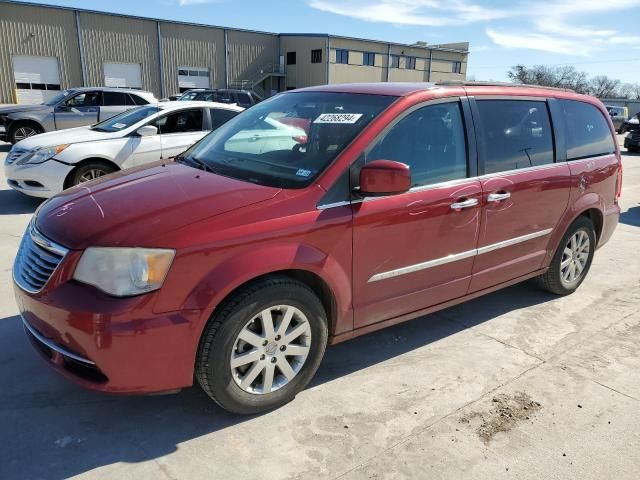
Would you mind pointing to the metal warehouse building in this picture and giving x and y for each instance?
(44, 49)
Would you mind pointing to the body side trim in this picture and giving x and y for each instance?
(458, 256)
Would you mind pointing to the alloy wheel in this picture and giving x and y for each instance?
(24, 132)
(92, 174)
(270, 349)
(574, 258)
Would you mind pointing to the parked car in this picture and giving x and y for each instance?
(632, 140)
(632, 124)
(237, 268)
(74, 107)
(242, 98)
(186, 95)
(619, 115)
(46, 164)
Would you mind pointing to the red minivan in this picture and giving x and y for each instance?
(238, 262)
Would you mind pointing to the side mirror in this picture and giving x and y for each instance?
(147, 131)
(384, 177)
(62, 108)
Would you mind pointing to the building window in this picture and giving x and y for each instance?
(369, 58)
(395, 61)
(410, 63)
(316, 56)
(342, 56)
(291, 58)
(456, 67)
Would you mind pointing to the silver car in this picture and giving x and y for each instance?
(75, 107)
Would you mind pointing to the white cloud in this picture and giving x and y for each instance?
(540, 41)
(554, 26)
(429, 13)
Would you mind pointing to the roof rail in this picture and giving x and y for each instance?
(463, 83)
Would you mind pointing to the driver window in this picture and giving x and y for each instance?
(183, 121)
(86, 99)
(431, 140)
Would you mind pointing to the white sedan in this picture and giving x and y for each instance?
(46, 164)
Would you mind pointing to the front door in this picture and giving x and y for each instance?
(80, 110)
(524, 191)
(416, 249)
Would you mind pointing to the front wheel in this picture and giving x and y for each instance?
(572, 259)
(22, 131)
(263, 346)
(89, 171)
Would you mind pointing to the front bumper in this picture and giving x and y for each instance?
(632, 140)
(42, 180)
(116, 345)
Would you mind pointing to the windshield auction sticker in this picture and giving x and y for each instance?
(338, 118)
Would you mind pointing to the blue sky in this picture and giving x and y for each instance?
(597, 36)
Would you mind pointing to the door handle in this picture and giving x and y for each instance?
(498, 197)
(92, 110)
(464, 204)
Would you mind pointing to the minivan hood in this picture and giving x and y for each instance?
(22, 108)
(60, 137)
(134, 207)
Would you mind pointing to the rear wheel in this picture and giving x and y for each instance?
(263, 346)
(24, 130)
(572, 260)
(89, 171)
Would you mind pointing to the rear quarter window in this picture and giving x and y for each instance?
(588, 133)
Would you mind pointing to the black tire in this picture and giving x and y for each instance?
(80, 174)
(552, 281)
(213, 361)
(22, 130)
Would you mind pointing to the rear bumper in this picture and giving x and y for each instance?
(610, 222)
(108, 344)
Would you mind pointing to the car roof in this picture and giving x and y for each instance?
(109, 89)
(179, 104)
(402, 89)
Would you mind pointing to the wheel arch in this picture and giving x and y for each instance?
(85, 161)
(23, 121)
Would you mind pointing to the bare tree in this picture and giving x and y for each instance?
(602, 86)
(547, 76)
(566, 76)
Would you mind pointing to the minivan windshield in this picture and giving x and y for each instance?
(287, 140)
(125, 119)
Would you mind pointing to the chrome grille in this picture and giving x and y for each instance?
(14, 154)
(37, 259)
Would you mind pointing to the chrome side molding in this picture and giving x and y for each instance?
(458, 256)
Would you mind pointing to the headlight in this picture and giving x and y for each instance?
(124, 271)
(41, 155)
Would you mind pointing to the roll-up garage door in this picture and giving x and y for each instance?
(37, 78)
(192, 77)
(124, 75)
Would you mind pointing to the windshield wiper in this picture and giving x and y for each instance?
(194, 161)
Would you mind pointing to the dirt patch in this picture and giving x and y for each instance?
(506, 411)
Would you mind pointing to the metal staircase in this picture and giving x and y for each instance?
(255, 79)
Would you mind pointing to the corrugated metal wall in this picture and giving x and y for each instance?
(304, 73)
(248, 52)
(107, 38)
(190, 46)
(27, 30)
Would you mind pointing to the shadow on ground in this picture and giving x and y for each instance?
(15, 203)
(631, 216)
(74, 431)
